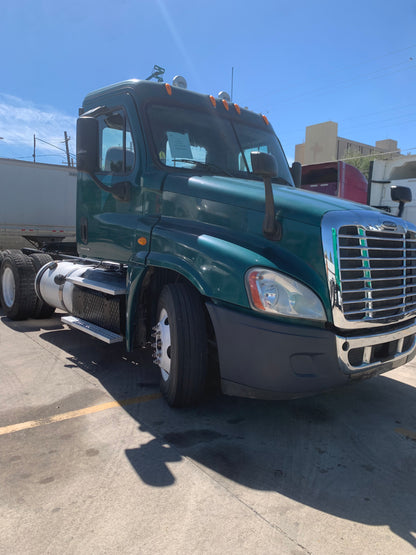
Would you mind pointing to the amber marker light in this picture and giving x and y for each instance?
(252, 282)
(225, 103)
(168, 88)
(266, 121)
(237, 108)
(142, 241)
(213, 101)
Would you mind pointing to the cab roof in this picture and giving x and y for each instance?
(150, 91)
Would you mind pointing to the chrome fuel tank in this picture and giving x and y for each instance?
(53, 286)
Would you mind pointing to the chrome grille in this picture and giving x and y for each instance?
(377, 271)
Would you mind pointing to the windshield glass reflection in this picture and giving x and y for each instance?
(209, 143)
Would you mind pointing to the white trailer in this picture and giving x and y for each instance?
(399, 172)
(37, 203)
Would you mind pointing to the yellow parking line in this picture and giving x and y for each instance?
(76, 413)
(406, 433)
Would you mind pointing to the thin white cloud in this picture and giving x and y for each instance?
(20, 120)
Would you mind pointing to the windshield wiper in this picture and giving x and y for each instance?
(203, 165)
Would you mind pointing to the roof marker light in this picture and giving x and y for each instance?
(225, 103)
(237, 108)
(179, 81)
(168, 88)
(223, 95)
(266, 121)
(213, 101)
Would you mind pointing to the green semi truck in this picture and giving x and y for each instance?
(192, 237)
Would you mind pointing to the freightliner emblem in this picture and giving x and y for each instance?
(390, 225)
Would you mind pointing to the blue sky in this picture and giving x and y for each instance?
(299, 62)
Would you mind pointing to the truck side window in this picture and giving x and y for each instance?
(116, 143)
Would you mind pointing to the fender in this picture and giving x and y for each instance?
(214, 266)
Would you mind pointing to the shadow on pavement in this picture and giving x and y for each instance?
(350, 453)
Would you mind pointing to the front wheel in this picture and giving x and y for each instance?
(180, 347)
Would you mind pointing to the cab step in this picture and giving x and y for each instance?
(92, 329)
(110, 287)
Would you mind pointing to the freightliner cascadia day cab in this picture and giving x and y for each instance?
(192, 237)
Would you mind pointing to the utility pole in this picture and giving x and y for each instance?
(66, 141)
(34, 149)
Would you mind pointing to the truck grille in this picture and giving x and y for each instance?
(377, 271)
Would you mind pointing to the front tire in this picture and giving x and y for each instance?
(180, 348)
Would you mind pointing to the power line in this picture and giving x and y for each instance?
(344, 123)
(393, 121)
(397, 124)
(327, 89)
(353, 157)
(382, 56)
(50, 144)
(68, 154)
(37, 156)
(376, 74)
(392, 109)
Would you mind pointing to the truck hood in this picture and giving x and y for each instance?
(233, 210)
(290, 203)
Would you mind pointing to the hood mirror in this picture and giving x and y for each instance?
(401, 195)
(265, 165)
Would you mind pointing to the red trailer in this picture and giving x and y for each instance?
(337, 179)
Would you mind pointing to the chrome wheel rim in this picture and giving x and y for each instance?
(8, 287)
(162, 345)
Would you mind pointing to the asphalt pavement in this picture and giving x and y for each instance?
(92, 460)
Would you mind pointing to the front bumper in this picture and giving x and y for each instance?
(262, 358)
(380, 352)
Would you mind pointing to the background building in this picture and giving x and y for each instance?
(322, 144)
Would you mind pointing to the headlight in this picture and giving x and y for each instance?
(271, 292)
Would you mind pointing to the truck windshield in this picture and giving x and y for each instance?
(209, 143)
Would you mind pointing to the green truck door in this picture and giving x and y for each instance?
(112, 216)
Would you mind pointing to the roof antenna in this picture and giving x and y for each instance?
(156, 74)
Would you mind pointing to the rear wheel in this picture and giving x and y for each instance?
(42, 310)
(180, 348)
(17, 293)
(2, 255)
